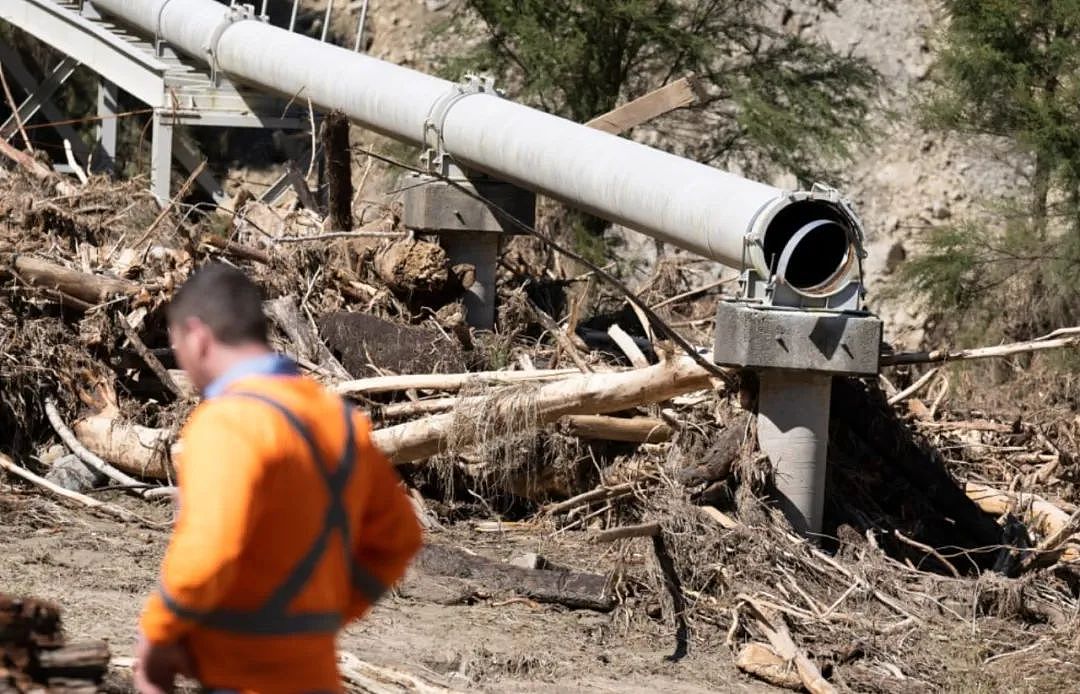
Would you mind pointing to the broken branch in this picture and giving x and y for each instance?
(80, 450)
(10, 465)
(1059, 339)
(447, 382)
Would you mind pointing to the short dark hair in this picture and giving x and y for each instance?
(225, 300)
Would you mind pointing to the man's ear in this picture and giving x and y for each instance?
(197, 334)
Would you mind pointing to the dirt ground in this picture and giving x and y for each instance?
(99, 572)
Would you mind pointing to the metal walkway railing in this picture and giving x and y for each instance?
(180, 91)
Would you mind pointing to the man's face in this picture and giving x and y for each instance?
(192, 343)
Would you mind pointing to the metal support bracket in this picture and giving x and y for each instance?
(159, 43)
(774, 290)
(236, 13)
(435, 157)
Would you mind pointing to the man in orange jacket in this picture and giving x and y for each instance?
(291, 523)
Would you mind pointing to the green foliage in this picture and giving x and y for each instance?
(1009, 69)
(1011, 281)
(775, 101)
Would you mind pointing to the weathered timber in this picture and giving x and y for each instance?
(134, 449)
(84, 286)
(717, 462)
(679, 94)
(338, 156)
(571, 589)
(365, 343)
(584, 394)
(77, 661)
(628, 429)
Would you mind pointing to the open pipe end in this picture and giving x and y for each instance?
(811, 246)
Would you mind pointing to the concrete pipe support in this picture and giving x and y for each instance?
(793, 430)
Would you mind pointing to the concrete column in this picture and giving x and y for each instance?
(161, 146)
(793, 430)
(108, 97)
(469, 229)
(480, 249)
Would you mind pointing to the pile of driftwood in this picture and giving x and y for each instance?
(34, 654)
(574, 420)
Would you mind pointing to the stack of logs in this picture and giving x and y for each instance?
(34, 657)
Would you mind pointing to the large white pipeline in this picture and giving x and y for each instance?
(676, 200)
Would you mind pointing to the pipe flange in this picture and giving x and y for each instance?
(235, 13)
(432, 137)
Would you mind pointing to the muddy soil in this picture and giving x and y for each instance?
(100, 572)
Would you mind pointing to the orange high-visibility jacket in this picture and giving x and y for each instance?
(289, 527)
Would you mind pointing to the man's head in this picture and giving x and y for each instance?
(215, 320)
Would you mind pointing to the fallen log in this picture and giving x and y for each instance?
(447, 382)
(89, 457)
(780, 639)
(1059, 339)
(236, 249)
(78, 661)
(134, 449)
(36, 168)
(584, 394)
(1044, 517)
(761, 661)
(114, 511)
(84, 286)
(419, 272)
(598, 494)
(628, 429)
(571, 589)
(624, 532)
(718, 460)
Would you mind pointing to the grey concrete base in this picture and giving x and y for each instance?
(432, 205)
(793, 430)
(804, 340)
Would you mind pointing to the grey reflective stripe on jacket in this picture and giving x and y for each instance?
(273, 618)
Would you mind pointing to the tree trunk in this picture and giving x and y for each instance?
(134, 449)
(585, 394)
(93, 289)
(338, 171)
(628, 429)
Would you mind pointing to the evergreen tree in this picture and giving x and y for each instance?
(776, 102)
(1010, 69)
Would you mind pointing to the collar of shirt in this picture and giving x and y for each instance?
(265, 365)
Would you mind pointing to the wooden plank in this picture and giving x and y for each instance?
(679, 94)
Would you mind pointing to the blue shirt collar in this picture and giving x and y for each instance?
(264, 365)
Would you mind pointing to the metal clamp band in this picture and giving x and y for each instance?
(236, 13)
(432, 137)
